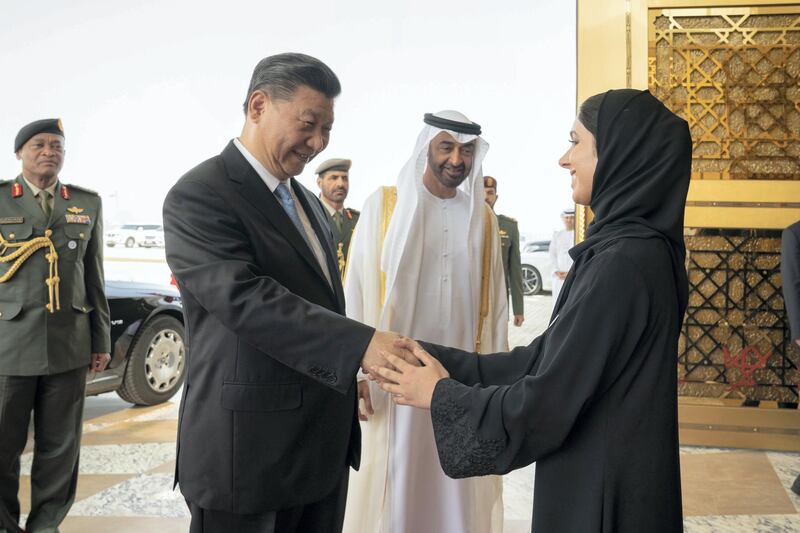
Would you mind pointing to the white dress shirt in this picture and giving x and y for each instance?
(272, 183)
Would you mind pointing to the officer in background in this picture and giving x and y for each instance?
(509, 241)
(54, 324)
(334, 184)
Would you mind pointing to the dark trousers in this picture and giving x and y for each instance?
(324, 516)
(56, 402)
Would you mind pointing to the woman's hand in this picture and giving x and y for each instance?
(407, 383)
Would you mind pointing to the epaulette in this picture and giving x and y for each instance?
(83, 189)
(3, 182)
(353, 211)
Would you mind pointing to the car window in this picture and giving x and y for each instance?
(537, 246)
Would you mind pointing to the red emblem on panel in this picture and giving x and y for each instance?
(65, 192)
(16, 190)
(747, 362)
(349, 214)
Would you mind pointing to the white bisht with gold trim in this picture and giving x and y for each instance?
(430, 269)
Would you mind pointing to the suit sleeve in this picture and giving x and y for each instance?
(515, 273)
(790, 277)
(94, 278)
(493, 429)
(210, 254)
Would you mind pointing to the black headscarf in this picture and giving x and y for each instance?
(644, 158)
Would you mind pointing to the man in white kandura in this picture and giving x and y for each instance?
(425, 261)
(560, 260)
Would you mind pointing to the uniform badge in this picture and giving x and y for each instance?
(75, 210)
(503, 233)
(78, 219)
(60, 126)
(65, 193)
(12, 220)
(16, 190)
(349, 214)
(72, 245)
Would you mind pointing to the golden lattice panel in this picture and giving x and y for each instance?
(735, 336)
(734, 75)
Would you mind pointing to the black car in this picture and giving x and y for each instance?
(148, 355)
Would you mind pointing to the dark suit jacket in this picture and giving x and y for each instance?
(790, 276)
(269, 405)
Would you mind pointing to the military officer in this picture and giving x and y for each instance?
(509, 242)
(334, 183)
(54, 324)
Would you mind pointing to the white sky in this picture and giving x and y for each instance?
(148, 89)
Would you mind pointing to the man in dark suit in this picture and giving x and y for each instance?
(268, 426)
(790, 281)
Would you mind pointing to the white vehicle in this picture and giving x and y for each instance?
(131, 235)
(152, 237)
(537, 274)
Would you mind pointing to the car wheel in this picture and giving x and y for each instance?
(531, 280)
(156, 363)
(129, 242)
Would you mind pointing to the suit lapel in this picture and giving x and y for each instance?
(317, 216)
(256, 192)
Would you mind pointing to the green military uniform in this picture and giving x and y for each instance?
(44, 355)
(342, 229)
(342, 222)
(509, 242)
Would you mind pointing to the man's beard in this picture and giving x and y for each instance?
(443, 178)
(333, 196)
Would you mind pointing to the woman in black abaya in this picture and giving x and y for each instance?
(593, 400)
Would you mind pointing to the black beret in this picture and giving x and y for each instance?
(46, 125)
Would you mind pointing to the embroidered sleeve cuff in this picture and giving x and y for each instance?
(462, 453)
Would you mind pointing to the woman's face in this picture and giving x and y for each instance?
(580, 160)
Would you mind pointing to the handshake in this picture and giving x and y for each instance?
(401, 367)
